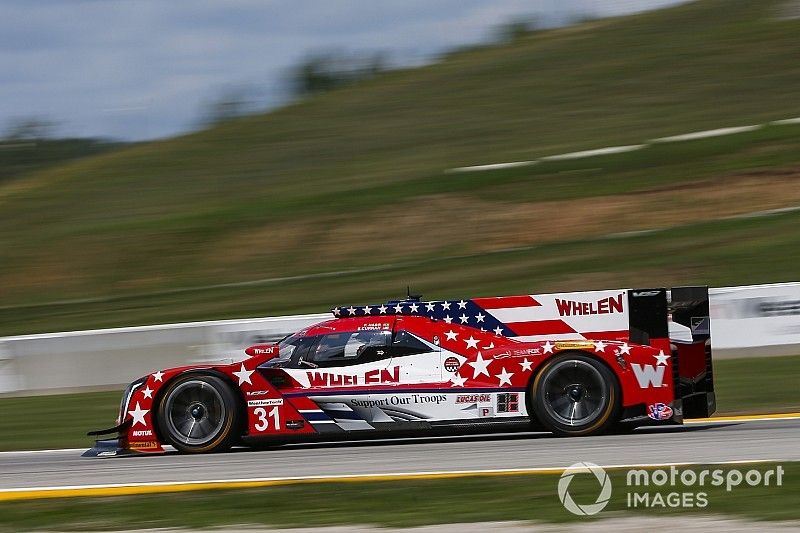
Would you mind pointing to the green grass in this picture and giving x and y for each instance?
(61, 421)
(396, 503)
(175, 213)
(727, 252)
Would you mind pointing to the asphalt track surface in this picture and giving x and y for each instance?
(774, 440)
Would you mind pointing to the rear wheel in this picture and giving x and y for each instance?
(576, 395)
(198, 413)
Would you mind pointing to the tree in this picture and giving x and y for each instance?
(327, 71)
(29, 129)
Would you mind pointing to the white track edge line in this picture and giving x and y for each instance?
(382, 475)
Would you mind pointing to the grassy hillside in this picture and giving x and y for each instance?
(355, 178)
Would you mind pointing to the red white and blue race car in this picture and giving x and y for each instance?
(572, 363)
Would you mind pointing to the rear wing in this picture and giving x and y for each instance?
(680, 315)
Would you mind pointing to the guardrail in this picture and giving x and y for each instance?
(757, 320)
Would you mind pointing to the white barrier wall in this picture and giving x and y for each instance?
(108, 358)
(745, 321)
(756, 320)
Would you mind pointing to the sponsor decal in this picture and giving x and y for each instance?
(603, 306)
(257, 392)
(648, 376)
(644, 294)
(262, 349)
(659, 411)
(451, 364)
(701, 325)
(401, 400)
(142, 433)
(486, 411)
(143, 445)
(508, 402)
(375, 326)
(370, 377)
(264, 403)
(473, 398)
(574, 346)
(519, 353)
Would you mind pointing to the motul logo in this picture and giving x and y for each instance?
(604, 306)
(648, 376)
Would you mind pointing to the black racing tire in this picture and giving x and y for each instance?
(198, 413)
(576, 395)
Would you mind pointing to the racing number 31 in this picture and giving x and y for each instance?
(264, 416)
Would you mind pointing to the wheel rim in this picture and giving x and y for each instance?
(195, 412)
(575, 393)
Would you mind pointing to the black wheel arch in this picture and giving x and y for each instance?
(240, 400)
(529, 392)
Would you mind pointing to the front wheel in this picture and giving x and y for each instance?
(575, 395)
(198, 414)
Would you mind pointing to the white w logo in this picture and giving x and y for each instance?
(648, 375)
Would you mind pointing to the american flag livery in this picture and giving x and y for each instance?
(600, 315)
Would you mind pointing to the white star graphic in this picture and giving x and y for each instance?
(367, 310)
(479, 317)
(471, 342)
(451, 335)
(505, 377)
(414, 308)
(462, 304)
(398, 308)
(138, 415)
(445, 306)
(479, 366)
(526, 365)
(429, 307)
(337, 312)
(148, 392)
(158, 376)
(448, 319)
(351, 310)
(498, 331)
(464, 319)
(624, 349)
(548, 348)
(382, 309)
(600, 346)
(661, 358)
(458, 381)
(243, 375)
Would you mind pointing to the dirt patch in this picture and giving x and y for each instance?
(451, 224)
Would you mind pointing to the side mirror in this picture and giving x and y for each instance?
(263, 350)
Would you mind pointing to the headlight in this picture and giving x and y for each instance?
(126, 398)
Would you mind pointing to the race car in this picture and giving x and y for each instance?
(573, 364)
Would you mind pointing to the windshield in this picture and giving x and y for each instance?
(286, 348)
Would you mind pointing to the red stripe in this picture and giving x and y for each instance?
(540, 327)
(502, 302)
(618, 335)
